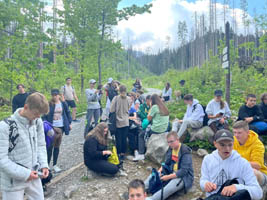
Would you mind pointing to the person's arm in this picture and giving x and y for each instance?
(197, 113)
(14, 104)
(170, 93)
(67, 111)
(257, 155)
(75, 96)
(242, 113)
(186, 164)
(228, 113)
(250, 180)
(7, 166)
(141, 113)
(152, 113)
(259, 115)
(205, 179)
(209, 111)
(90, 96)
(112, 105)
(91, 150)
(41, 144)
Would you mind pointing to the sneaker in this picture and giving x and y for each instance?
(56, 169)
(122, 173)
(139, 157)
(76, 120)
(136, 153)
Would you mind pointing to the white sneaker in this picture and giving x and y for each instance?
(136, 153)
(56, 169)
(122, 173)
(139, 157)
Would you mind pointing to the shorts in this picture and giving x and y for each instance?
(71, 103)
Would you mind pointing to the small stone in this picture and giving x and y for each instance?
(202, 152)
(69, 191)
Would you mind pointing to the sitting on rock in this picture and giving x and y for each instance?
(225, 164)
(218, 112)
(136, 190)
(144, 108)
(249, 146)
(159, 116)
(167, 92)
(95, 151)
(252, 114)
(179, 162)
(193, 117)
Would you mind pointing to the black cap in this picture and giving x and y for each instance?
(182, 81)
(55, 92)
(218, 93)
(223, 134)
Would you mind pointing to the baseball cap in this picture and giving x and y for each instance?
(54, 92)
(223, 134)
(110, 80)
(218, 93)
(92, 81)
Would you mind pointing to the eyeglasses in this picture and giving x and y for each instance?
(171, 141)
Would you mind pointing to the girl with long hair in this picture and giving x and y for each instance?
(167, 92)
(96, 153)
(159, 117)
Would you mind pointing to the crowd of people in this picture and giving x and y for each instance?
(33, 134)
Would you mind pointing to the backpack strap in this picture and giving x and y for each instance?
(194, 107)
(13, 133)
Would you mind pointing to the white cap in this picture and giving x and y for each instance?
(110, 80)
(92, 81)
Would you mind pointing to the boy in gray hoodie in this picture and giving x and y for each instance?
(225, 164)
(193, 117)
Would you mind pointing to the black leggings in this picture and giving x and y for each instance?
(121, 139)
(55, 154)
(102, 166)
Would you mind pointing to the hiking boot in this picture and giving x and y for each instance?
(139, 157)
(122, 173)
(56, 169)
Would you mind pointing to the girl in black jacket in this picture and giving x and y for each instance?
(59, 116)
(96, 153)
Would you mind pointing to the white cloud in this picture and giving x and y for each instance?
(149, 31)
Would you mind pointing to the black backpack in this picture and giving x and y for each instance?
(205, 119)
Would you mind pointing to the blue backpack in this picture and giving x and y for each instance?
(155, 184)
(49, 133)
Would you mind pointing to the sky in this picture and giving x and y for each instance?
(149, 32)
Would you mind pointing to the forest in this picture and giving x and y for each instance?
(40, 47)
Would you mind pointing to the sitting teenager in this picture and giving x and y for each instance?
(95, 151)
(144, 108)
(225, 164)
(218, 112)
(59, 116)
(181, 175)
(252, 114)
(193, 117)
(136, 190)
(159, 116)
(167, 92)
(249, 146)
(263, 105)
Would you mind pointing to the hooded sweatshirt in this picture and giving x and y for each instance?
(194, 112)
(263, 108)
(214, 107)
(253, 150)
(216, 170)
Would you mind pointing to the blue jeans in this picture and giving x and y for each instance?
(261, 126)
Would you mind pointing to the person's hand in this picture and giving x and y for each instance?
(165, 178)
(45, 172)
(222, 121)
(97, 91)
(77, 100)
(107, 153)
(249, 119)
(180, 121)
(229, 190)
(218, 115)
(70, 126)
(33, 175)
(209, 187)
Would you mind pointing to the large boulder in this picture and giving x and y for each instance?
(157, 147)
(203, 133)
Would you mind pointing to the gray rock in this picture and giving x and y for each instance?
(203, 133)
(69, 191)
(149, 168)
(157, 147)
(202, 152)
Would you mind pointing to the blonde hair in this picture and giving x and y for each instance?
(98, 133)
(37, 101)
(241, 124)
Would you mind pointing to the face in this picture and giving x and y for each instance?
(55, 97)
(224, 147)
(148, 101)
(31, 114)
(137, 194)
(187, 102)
(68, 81)
(21, 89)
(218, 98)
(173, 142)
(92, 85)
(106, 131)
(251, 102)
(241, 135)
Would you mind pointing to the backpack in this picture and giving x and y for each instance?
(64, 88)
(205, 119)
(49, 133)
